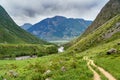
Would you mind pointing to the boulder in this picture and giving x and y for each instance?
(12, 73)
(47, 79)
(111, 51)
(47, 72)
(63, 69)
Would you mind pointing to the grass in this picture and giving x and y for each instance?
(34, 69)
(74, 67)
(111, 64)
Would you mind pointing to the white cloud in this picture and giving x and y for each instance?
(32, 11)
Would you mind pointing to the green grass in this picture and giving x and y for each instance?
(111, 64)
(34, 69)
(75, 67)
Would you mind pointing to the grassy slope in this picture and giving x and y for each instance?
(12, 33)
(97, 37)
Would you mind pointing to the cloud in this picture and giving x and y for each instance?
(32, 11)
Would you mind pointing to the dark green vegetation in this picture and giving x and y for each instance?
(15, 50)
(59, 28)
(12, 33)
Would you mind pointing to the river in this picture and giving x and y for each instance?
(61, 49)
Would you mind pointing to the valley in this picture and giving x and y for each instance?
(93, 55)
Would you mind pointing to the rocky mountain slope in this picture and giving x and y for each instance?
(59, 28)
(111, 9)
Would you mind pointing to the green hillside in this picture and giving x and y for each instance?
(10, 32)
(101, 35)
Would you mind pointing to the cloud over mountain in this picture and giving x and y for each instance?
(35, 10)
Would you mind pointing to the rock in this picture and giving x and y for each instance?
(111, 51)
(47, 72)
(63, 69)
(47, 79)
(34, 56)
(12, 73)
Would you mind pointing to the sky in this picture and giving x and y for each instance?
(33, 11)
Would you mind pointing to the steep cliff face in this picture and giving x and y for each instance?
(110, 10)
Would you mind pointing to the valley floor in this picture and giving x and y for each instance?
(65, 66)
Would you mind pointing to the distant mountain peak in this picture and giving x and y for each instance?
(57, 16)
(26, 26)
(59, 27)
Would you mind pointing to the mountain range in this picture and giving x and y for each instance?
(59, 28)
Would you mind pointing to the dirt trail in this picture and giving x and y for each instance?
(104, 72)
(96, 75)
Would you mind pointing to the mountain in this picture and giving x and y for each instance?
(108, 32)
(26, 26)
(103, 30)
(10, 32)
(59, 28)
(111, 9)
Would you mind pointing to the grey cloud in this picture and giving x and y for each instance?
(38, 9)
